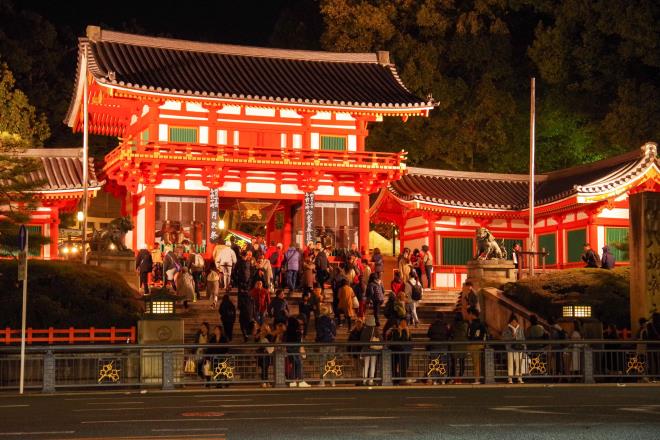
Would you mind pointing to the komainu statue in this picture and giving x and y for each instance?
(112, 234)
(488, 248)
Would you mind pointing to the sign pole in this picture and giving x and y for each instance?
(23, 275)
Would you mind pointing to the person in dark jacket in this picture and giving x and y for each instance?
(321, 266)
(246, 313)
(379, 264)
(459, 332)
(401, 353)
(376, 295)
(227, 316)
(439, 331)
(589, 257)
(305, 308)
(144, 264)
(607, 260)
(292, 260)
(279, 307)
(326, 332)
(477, 333)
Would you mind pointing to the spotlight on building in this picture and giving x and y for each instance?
(80, 216)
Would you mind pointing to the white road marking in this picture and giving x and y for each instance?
(187, 429)
(648, 409)
(14, 406)
(524, 410)
(225, 400)
(129, 402)
(37, 433)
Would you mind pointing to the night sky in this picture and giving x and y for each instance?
(239, 22)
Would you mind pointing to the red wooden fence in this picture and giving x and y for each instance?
(69, 335)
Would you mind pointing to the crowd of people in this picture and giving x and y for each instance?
(351, 293)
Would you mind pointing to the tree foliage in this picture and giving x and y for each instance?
(20, 127)
(597, 64)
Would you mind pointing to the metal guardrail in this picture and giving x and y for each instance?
(52, 368)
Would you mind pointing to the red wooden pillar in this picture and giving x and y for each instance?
(54, 232)
(364, 224)
(431, 237)
(287, 228)
(149, 216)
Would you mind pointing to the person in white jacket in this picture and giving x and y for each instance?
(225, 258)
(514, 352)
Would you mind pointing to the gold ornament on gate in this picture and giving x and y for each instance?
(107, 371)
(437, 366)
(332, 367)
(537, 365)
(635, 365)
(223, 369)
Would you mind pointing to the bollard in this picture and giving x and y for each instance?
(489, 366)
(386, 367)
(279, 368)
(588, 365)
(48, 385)
(168, 371)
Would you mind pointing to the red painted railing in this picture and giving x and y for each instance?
(69, 335)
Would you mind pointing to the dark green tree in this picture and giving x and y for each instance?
(20, 127)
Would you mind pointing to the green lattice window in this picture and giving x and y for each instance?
(509, 243)
(614, 236)
(183, 134)
(457, 251)
(144, 136)
(549, 243)
(334, 143)
(575, 241)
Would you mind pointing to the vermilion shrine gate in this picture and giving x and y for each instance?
(264, 127)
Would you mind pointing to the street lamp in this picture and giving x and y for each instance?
(221, 224)
(80, 216)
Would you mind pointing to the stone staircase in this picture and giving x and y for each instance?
(433, 302)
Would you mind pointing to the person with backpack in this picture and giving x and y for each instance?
(320, 265)
(225, 259)
(292, 259)
(607, 261)
(514, 352)
(279, 307)
(227, 311)
(326, 332)
(213, 284)
(477, 334)
(413, 289)
(589, 257)
(195, 264)
(376, 295)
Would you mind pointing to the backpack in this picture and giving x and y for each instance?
(417, 292)
(199, 261)
(274, 257)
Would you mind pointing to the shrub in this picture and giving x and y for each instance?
(63, 294)
(606, 291)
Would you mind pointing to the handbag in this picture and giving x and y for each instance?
(206, 368)
(170, 273)
(190, 367)
(375, 338)
(356, 303)
(269, 349)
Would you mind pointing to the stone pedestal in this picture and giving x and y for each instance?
(490, 273)
(122, 263)
(159, 332)
(644, 242)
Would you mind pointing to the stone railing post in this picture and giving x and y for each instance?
(280, 367)
(489, 366)
(48, 385)
(167, 373)
(588, 356)
(386, 362)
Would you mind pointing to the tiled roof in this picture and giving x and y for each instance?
(510, 191)
(61, 169)
(249, 73)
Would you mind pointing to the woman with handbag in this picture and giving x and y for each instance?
(369, 354)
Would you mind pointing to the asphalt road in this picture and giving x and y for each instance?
(524, 412)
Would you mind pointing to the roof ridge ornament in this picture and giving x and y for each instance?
(650, 149)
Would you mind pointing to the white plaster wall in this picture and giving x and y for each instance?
(256, 187)
(140, 227)
(620, 213)
(195, 184)
(230, 110)
(315, 141)
(297, 141)
(203, 135)
(290, 114)
(222, 137)
(288, 188)
(600, 230)
(348, 191)
(171, 105)
(195, 107)
(169, 184)
(352, 142)
(231, 187)
(259, 111)
(163, 134)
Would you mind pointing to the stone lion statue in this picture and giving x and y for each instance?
(488, 247)
(113, 233)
